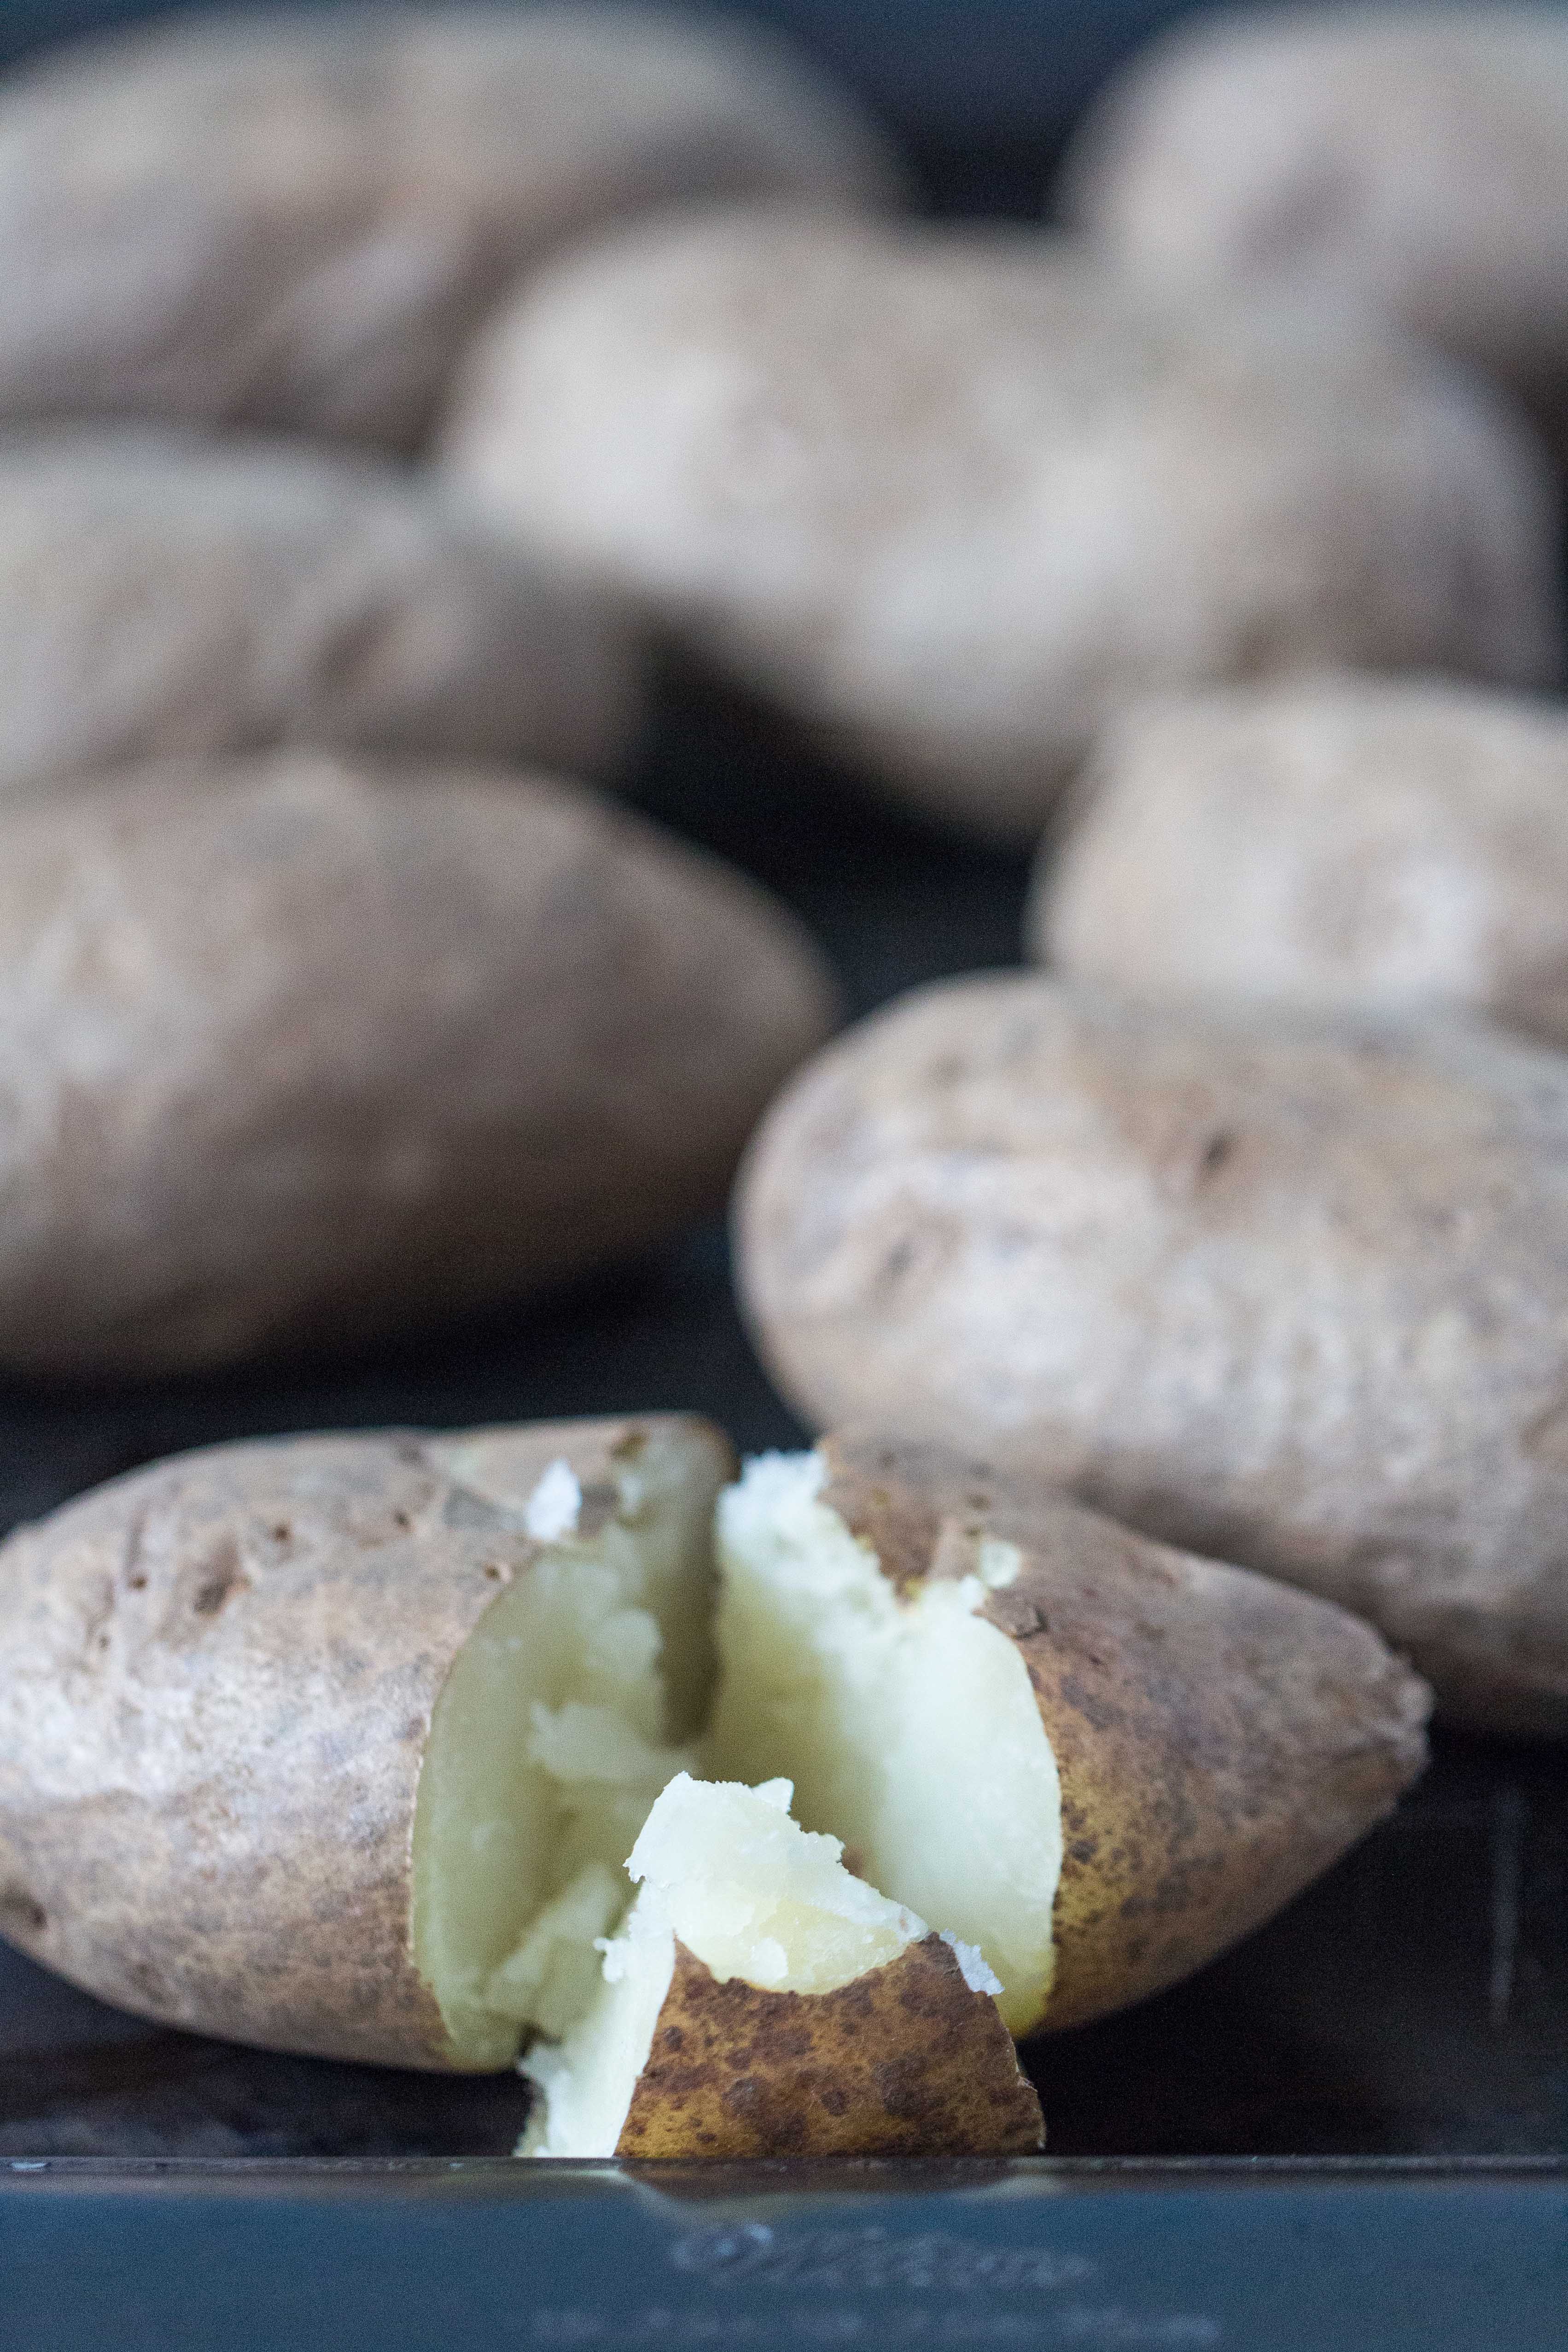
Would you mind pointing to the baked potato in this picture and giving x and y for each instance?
(338, 1745)
(1285, 1294)
(300, 1047)
(1416, 159)
(949, 496)
(759, 2000)
(163, 594)
(293, 220)
(1338, 844)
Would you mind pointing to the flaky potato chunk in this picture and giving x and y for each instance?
(761, 2000)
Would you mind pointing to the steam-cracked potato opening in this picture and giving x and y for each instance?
(564, 1714)
(909, 1727)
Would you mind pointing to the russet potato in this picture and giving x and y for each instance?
(341, 1745)
(1283, 1293)
(1414, 158)
(1333, 844)
(301, 1047)
(294, 219)
(947, 497)
(163, 593)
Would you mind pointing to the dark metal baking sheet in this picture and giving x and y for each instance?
(757, 2258)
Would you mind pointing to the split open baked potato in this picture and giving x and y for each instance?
(340, 1745)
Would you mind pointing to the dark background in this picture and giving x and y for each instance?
(1414, 2001)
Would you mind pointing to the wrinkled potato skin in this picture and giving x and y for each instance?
(216, 1681)
(906, 2061)
(295, 220)
(299, 1048)
(1283, 1295)
(165, 595)
(1415, 158)
(1343, 844)
(1220, 1738)
(947, 497)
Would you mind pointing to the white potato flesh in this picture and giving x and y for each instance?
(565, 1712)
(909, 1727)
(726, 1872)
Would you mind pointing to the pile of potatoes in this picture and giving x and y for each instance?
(382, 391)
(337, 996)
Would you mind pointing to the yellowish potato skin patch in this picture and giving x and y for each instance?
(903, 2061)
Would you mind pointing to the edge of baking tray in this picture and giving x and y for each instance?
(1087, 2254)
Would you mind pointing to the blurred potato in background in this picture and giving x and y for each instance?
(1338, 844)
(300, 1049)
(164, 592)
(270, 219)
(1415, 157)
(949, 496)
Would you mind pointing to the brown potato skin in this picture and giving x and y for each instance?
(947, 497)
(1334, 843)
(163, 594)
(905, 2061)
(1284, 1295)
(294, 220)
(302, 1047)
(216, 1683)
(1220, 1738)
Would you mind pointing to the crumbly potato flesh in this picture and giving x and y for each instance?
(735, 1895)
(556, 1729)
(908, 1725)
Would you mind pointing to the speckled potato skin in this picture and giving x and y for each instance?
(1414, 158)
(1341, 844)
(1220, 1738)
(294, 220)
(161, 594)
(216, 1682)
(1286, 1295)
(905, 2061)
(298, 1049)
(947, 497)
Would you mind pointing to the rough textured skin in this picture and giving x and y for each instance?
(1417, 159)
(949, 496)
(1338, 844)
(1221, 1739)
(1285, 1296)
(160, 593)
(296, 220)
(216, 1680)
(906, 2061)
(297, 1048)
